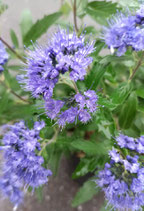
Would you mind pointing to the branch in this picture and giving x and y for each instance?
(49, 141)
(137, 67)
(14, 93)
(75, 87)
(12, 50)
(74, 15)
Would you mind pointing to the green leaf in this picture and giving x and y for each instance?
(81, 6)
(85, 193)
(85, 166)
(128, 111)
(91, 148)
(3, 7)
(99, 46)
(94, 77)
(14, 38)
(115, 59)
(11, 81)
(4, 100)
(25, 22)
(90, 30)
(40, 27)
(15, 67)
(140, 92)
(66, 8)
(121, 93)
(129, 3)
(100, 10)
(39, 193)
(52, 156)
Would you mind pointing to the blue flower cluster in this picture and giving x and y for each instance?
(22, 166)
(125, 31)
(122, 179)
(3, 56)
(81, 106)
(130, 143)
(65, 53)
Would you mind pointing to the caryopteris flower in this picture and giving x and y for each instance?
(3, 56)
(22, 166)
(65, 53)
(125, 31)
(80, 107)
(123, 179)
(140, 15)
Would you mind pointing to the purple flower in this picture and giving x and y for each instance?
(84, 116)
(65, 53)
(122, 182)
(123, 179)
(68, 116)
(126, 142)
(140, 15)
(3, 56)
(53, 107)
(125, 31)
(22, 166)
(81, 108)
(115, 156)
(121, 140)
(11, 186)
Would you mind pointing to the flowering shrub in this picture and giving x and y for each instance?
(79, 93)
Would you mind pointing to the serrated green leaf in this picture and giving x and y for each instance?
(121, 93)
(14, 38)
(40, 27)
(100, 10)
(107, 7)
(25, 22)
(85, 193)
(94, 77)
(128, 111)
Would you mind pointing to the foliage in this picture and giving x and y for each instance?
(121, 100)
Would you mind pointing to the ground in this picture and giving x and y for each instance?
(58, 194)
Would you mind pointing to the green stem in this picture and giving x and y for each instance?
(12, 50)
(75, 87)
(14, 93)
(75, 16)
(44, 145)
(137, 67)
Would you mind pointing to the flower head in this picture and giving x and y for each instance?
(135, 144)
(125, 31)
(65, 53)
(140, 15)
(122, 184)
(20, 158)
(123, 179)
(81, 108)
(3, 56)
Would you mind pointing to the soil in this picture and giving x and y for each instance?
(58, 194)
